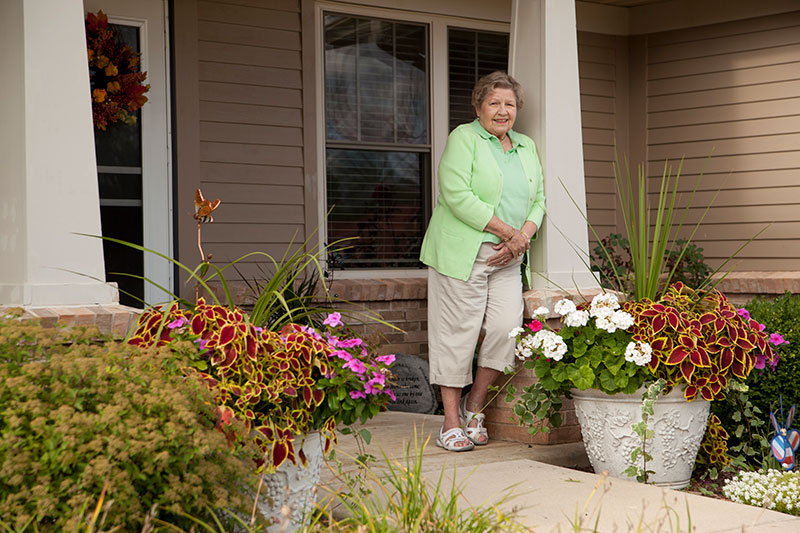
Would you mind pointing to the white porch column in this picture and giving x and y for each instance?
(47, 163)
(544, 59)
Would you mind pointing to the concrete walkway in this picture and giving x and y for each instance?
(550, 497)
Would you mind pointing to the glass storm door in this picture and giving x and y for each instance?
(133, 162)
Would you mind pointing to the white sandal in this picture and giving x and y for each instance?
(448, 439)
(478, 434)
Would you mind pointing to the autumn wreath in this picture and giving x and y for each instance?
(116, 81)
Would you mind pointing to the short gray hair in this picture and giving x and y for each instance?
(495, 80)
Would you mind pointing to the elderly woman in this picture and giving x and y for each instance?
(491, 202)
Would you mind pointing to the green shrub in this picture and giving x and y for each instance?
(781, 315)
(76, 413)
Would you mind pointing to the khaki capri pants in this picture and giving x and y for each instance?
(489, 302)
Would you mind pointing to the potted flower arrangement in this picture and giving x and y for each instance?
(291, 388)
(692, 342)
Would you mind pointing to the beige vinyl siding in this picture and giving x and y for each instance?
(732, 91)
(251, 125)
(597, 57)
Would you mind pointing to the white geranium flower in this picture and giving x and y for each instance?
(556, 352)
(605, 323)
(564, 307)
(541, 312)
(638, 353)
(514, 332)
(523, 352)
(552, 345)
(622, 319)
(577, 319)
(604, 304)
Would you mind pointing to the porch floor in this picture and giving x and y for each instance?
(550, 497)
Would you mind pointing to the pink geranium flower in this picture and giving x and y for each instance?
(535, 326)
(333, 320)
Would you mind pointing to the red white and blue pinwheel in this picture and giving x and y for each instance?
(786, 440)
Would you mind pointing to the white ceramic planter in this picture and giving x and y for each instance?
(606, 428)
(292, 485)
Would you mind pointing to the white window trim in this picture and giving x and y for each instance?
(437, 89)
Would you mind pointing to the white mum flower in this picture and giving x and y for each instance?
(564, 307)
(514, 332)
(622, 319)
(541, 312)
(604, 304)
(576, 319)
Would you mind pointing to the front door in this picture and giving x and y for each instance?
(133, 167)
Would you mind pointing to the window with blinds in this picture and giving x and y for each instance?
(471, 54)
(377, 148)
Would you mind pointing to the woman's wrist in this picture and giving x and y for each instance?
(527, 237)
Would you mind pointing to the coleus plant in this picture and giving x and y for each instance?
(282, 385)
(699, 340)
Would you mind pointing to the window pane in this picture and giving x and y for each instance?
(381, 198)
(470, 55)
(375, 80)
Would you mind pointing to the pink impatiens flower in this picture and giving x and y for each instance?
(357, 394)
(386, 359)
(777, 339)
(356, 366)
(178, 323)
(341, 354)
(333, 320)
(744, 313)
(390, 394)
(350, 343)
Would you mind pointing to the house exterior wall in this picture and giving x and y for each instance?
(239, 65)
(726, 89)
(730, 91)
(603, 70)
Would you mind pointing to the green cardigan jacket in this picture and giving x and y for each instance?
(470, 186)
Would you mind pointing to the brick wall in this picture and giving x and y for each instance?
(402, 302)
(741, 287)
(116, 320)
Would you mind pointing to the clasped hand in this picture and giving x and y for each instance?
(506, 251)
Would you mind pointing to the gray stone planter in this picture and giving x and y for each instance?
(606, 428)
(292, 486)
